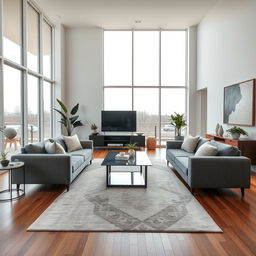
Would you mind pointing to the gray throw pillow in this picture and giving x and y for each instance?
(54, 148)
(37, 148)
(189, 143)
(225, 150)
(207, 149)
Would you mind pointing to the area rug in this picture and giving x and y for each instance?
(166, 205)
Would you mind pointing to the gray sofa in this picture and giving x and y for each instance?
(43, 168)
(228, 169)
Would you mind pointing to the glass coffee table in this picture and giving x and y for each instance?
(130, 173)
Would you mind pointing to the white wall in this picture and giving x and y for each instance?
(84, 75)
(59, 71)
(226, 53)
(192, 73)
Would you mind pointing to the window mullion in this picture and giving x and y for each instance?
(133, 69)
(160, 84)
(1, 76)
(24, 73)
(41, 101)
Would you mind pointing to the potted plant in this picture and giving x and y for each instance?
(236, 132)
(94, 128)
(69, 120)
(131, 149)
(178, 122)
(3, 158)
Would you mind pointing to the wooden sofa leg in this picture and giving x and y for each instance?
(242, 192)
(167, 163)
(192, 191)
(91, 162)
(67, 188)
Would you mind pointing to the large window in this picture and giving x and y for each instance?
(12, 102)
(33, 38)
(27, 73)
(12, 30)
(149, 69)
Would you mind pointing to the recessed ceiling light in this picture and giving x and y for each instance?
(137, 21)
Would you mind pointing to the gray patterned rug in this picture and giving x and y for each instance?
(165, 206)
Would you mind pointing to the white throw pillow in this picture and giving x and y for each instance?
(207, 149)
(189, 143)
(72, 143)
(54, 148)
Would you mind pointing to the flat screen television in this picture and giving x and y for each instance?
(118, 121)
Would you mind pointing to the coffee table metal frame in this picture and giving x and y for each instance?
(9, 169)
(112, 162)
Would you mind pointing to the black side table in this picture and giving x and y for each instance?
(12, 166)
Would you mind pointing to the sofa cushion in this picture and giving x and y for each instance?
(36, 148)
(54, 148)
(85, 153)
(200, 142)
(61, 141)
(72, 143)
(173, 153)
(225, 150)
(182, 163)
(207, 149)
(76, 162)
(189, 144)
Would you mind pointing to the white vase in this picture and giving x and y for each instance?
(235, 136)
(131, 153)
(221, 131)
(217, 129)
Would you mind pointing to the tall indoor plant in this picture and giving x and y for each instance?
(178, 122)
(69, 120)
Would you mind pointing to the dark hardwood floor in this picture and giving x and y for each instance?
(235, 215)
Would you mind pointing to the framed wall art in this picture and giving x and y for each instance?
(239, 104)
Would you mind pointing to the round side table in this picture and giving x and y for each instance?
(12, 166)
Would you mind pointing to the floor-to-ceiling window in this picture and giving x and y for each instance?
(145, 70)
(26, 81)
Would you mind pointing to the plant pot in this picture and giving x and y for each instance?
(179, 137)
(5, 163)
(131, 153)
(95, 133)
(235, 136)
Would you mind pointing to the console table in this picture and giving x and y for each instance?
(116, 141)
(246, 146)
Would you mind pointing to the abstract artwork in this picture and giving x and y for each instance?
(239, 104)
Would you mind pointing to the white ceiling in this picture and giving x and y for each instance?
(109, 14)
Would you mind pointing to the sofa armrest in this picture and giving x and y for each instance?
(219, 171)
(174, 144)
(87, 144)
(45, 168)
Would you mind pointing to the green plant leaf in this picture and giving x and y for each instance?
(62, 114)
(74, 109)
(63, 106)
(78, 123)
(73, 119)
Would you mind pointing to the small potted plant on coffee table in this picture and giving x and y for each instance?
(131, 149)
(236, 132)
(3, 158)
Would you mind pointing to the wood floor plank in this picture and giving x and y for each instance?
(236, 216)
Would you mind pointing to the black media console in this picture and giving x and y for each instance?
(116, 141)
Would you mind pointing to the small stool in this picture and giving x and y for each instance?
(12, 141)
(151, 143)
